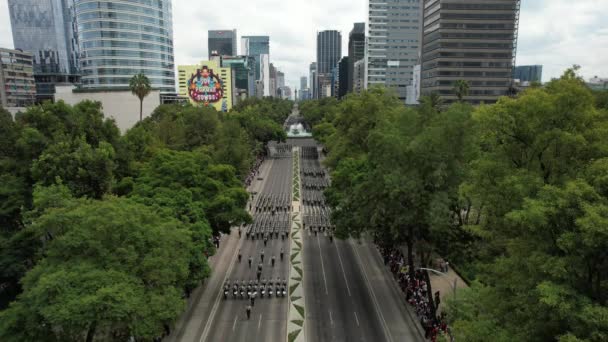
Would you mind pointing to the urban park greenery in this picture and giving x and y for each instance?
(515, 194)
(103, 235)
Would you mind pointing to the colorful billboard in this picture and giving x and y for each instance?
(205, 87)
(206, 84)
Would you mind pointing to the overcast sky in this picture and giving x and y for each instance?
(554, 33)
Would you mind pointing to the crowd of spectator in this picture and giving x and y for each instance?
(417, 293)
(255, 170)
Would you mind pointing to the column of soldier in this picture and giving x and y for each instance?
(317, 215)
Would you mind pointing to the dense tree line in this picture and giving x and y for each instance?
(514, 193)
(103, 234)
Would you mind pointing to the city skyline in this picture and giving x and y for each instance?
(542, 39)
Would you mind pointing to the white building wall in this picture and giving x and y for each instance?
(122, 106)
(265, 73)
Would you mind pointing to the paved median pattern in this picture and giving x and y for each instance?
(297, 310)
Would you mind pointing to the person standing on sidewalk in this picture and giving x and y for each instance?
(248, 310)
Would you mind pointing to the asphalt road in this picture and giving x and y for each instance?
(350, 296)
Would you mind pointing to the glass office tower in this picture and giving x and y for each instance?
(222, 42)
(255, 46)
(329, 52)
(45, 28)
(119, 39)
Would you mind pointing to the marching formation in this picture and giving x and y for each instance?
(317, 214)
(261, 269)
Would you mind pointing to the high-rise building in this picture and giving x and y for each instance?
(303, 82)
(243, 68)
(206, 84)
(17, 87)
(273, 80)
(393, 46)
(356, 50)
(313, 80)
(119, 39)
(329, 52)
(359, 76)
(471, 40)
(222, 42)
(528, 73)
(46, 29)
(343, 77)
(265, 73)
(255, 46)
(280, 79)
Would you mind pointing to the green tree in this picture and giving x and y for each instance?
(112, 269)
(461, 89)
(140, 87)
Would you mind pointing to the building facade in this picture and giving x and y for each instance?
(528, 73)
(118, 40)
(222, 42)
(393, 46)
(207, 84)
(46, 28)
(303, 82)
(329, 52)
(343, 76)
(313, 87)
(356, 51)
(256, 46)
(243, 68)
(473, 41)
(359, 76)
(265, 73)
(18, 88)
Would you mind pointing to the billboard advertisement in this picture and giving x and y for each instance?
(205, 87)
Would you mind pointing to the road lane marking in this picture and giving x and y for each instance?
(342, 266)
(260, 322)
(357, 318)
(322, 267)
(234, 324)
(374, 299)
(331, 319)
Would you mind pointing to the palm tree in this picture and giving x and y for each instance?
(433, 100)
(140, 87)
(461, 88)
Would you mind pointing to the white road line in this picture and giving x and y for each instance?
(331, 319)
(342, 266)
(375, 300)
(322, 267)
(219, 295)
(356, 318)
(260, 322)
(234, 324)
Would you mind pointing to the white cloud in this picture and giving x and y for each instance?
(554, 33)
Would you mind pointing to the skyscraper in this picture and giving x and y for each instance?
(528, 73)
(473, 41)
(313, 80)
(45, 28)
(394, 43)
(118, 40)
(343, 77)
(222, 42)
(356, 50)
(255, 46)
(280, 79)
(265, 73)
(303, 82)
(329, 52)
(17, 87)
